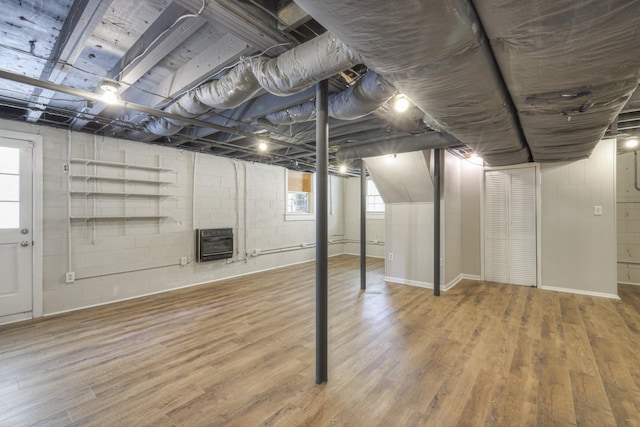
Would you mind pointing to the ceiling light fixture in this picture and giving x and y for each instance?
(109, 92)
(343, 168)
(262, 146)
(631, 143)
(475, 159)
(400, 103)
(390, 158)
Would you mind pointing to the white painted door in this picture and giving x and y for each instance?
(16, 254)
(510, 235)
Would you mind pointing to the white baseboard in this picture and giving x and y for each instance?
(13, 318)
(358, 254)
(408, 282)
(629, 283)
(180, 287)
(428, 285)
(580, 292)
(459, 278)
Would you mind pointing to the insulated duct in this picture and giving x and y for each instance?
(408, 144)
(569, 65)
(364, 97)
(437, 55)
(289, 73)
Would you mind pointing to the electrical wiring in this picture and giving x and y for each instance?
(144, 52)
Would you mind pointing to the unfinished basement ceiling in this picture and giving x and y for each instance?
(513, 81)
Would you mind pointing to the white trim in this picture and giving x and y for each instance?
(14, 318)
(408, 282)
(37, 234)
(580, 292)
(629, 283)
(358, 254)
(181, 287)
(459, 278)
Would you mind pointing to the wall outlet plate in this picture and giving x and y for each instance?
(390, 256)
(183, 260)
(70, 277)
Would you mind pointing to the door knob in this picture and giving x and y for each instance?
(24, 231)
(24, 243)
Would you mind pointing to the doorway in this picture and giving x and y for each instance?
(20, 226)
(511, 226)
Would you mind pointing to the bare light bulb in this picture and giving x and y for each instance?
(343, 168)
(262, 146)
(109, 92)
(400, 103)
(631, 143)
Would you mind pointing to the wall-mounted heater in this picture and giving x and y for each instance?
(214, 243)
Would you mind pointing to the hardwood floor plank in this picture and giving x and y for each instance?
(241, 352)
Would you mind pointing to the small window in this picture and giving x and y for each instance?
(375, 204)
(299, 193)
(9, 188)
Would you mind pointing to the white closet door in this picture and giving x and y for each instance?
(522, 227)
(510, 226)
(496, 232)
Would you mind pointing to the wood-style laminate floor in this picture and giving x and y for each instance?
(241, 353)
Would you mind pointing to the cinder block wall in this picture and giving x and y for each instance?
(119, 259)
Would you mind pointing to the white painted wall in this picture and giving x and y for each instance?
(452, 219)
(100, 255)
(410, 230)
(471, 202)
(410, 240)
(628, 220)
(375, 223)
(578, 248)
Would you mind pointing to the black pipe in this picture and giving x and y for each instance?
(436, 222)
(322, 246)
(363, 225)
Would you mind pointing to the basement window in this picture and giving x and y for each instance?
(299, 196)
(375, 204)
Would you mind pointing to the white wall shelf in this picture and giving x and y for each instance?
(142, 185)
(117, 194)
(116, 218)
(118, 165)
(118, 179)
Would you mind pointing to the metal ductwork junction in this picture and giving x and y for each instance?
(289, 73)
(436, 54)
(364, 97)
(407, 144)
(570, 67)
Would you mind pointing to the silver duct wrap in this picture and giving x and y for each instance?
(437, 55)
(364, 97)
(570, 67)
(289, 73)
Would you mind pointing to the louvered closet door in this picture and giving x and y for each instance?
(496, 233)
(510, 226)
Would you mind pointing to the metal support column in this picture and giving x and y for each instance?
(322, 237)
(363, 225)
(436, 221)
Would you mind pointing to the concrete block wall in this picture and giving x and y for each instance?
(120, 259)
(628, 220)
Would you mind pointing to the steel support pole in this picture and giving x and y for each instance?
(363, 225)
(322, 238)
(436, 221)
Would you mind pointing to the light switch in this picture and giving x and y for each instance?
(597, 210)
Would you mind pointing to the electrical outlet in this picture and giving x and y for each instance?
(597, 210)
(256, 252)
(70, 277)
(183, 260)
(390, 256)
